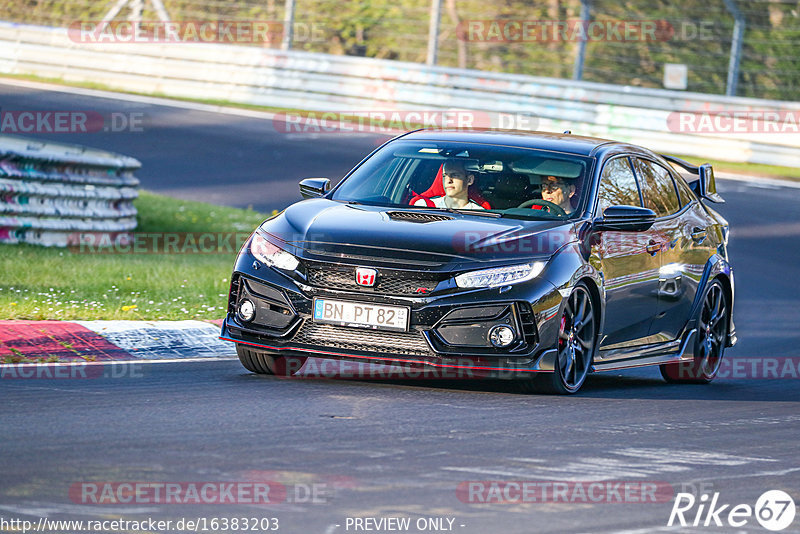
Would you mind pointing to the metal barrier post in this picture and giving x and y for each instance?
(736, 47)
(586, 15)
(433, 32)
(288, 26)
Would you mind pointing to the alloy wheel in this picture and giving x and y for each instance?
(710, 341)
(576, 340)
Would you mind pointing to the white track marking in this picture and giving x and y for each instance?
(634, 463)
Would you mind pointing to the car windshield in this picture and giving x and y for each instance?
(472, 178)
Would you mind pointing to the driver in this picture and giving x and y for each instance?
(559, 192)
(456, 184)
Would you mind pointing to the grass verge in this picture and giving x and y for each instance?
(46, 283)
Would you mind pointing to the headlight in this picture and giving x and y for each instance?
(500, 276)
(272, 255)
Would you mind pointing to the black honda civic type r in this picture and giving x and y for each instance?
(536, 256)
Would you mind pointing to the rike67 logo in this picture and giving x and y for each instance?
(774, 510)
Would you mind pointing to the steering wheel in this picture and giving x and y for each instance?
(555, 209)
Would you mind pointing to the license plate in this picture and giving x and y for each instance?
(360, 314)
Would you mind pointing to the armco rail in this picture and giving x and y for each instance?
(51, 192)
(322, 82)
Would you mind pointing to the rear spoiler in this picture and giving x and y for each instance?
(705, 186)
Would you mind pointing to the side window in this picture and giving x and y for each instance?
(617, 186)
(658, 189)
(685, 191)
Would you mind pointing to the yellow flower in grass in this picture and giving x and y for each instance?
(129, 308)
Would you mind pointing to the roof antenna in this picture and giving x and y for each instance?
(567, 131)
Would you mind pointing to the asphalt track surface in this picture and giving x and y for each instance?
(383, 448)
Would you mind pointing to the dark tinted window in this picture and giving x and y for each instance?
(685, 192)
(617, 186)
(658, 189)
(682, 183)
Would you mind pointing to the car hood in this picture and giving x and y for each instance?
(325, 230)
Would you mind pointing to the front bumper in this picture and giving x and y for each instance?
(446, 330)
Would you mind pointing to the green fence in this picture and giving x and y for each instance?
(541, 38)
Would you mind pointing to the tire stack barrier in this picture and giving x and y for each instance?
(50, 193)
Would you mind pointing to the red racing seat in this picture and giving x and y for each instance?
(437, 190)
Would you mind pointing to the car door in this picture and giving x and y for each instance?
(697, 239)
(630, 270)
(678, 269)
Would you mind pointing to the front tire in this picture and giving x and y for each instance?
(262, 363)
(254, 361)
(575, 346)
(709, 347)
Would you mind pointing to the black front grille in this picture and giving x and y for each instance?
(411, 343)
(387, 282)
(411, 216)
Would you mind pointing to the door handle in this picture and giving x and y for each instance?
(653, 247)
(698, 234)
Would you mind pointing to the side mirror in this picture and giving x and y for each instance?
(625, 219)
(314, 187)
(708, 186)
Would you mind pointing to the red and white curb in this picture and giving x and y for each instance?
(98, 341)
(90, 349)
(87, 345)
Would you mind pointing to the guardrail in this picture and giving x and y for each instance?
(321, 82)
(51, 193)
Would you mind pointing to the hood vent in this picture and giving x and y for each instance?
(415, 217)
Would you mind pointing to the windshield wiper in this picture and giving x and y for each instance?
(533, 217)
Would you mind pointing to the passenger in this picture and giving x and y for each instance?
(559, 192)
(456, 184)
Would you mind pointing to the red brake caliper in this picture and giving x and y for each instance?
(561, 341)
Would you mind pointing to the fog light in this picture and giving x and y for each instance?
(247, 310)
(501, 335)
